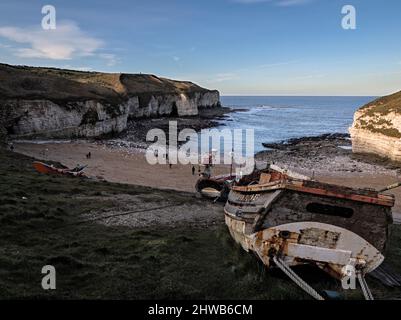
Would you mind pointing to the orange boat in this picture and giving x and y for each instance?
(41, 167)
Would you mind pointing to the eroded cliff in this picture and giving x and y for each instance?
(50, 102)
(377, 128)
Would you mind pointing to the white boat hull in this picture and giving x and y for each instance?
(330, 247)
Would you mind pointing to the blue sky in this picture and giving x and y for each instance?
(240, 47)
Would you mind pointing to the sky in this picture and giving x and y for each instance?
(239, 47)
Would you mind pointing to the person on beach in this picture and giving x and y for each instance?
(207, 172)
(193, 170)
(12, 146)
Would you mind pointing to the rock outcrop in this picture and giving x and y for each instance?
(45, 118)
(377, 128)
(171, 104)
(48, 102)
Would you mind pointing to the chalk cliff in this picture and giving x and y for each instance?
(377, 128)
(49, 102)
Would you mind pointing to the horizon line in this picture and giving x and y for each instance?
(296, 95)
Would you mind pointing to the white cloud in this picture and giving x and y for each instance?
(221, 77)
(176, 59)
(64, 43)
(69, 67)
(277, 64)
(5, 46)
(265, 66)
(309, 76)
(111, 59)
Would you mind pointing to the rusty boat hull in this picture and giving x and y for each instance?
(308, 222)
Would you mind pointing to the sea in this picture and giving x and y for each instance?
(278, 118)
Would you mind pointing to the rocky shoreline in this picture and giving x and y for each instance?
(328, 153)
(135, 134)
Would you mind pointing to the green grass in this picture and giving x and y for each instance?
(94, 261)
(377, 109)
(384, 105)
(390, 132)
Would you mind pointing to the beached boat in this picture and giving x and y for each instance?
(288, 219)
(216, 187)
(41, 167)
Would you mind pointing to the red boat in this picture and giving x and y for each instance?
(41, 167)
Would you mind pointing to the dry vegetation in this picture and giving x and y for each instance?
(21, 82)
(44, 220)
(385, 105)
(373, 113)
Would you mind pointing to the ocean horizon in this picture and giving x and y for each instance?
(278, 118)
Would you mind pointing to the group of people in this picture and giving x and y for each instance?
(207, 171)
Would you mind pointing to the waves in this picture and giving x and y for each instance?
(280, 118)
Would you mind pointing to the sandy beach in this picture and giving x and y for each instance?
(129, 165)
(123, 165)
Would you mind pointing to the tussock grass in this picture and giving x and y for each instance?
(94, 261)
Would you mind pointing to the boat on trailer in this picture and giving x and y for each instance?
(288, 219)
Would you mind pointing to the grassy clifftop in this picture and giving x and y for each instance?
(384, 105)
(22, 82)
(381, 116)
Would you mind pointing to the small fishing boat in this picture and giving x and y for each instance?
(41, 167)
(216, 187)
(288, 219)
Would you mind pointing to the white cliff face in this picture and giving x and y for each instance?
(167, 104)
(364, 141)
(378, 131)
(44, 118)
(208, 99)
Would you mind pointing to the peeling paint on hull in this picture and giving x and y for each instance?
(286, 241)
(307, 222)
